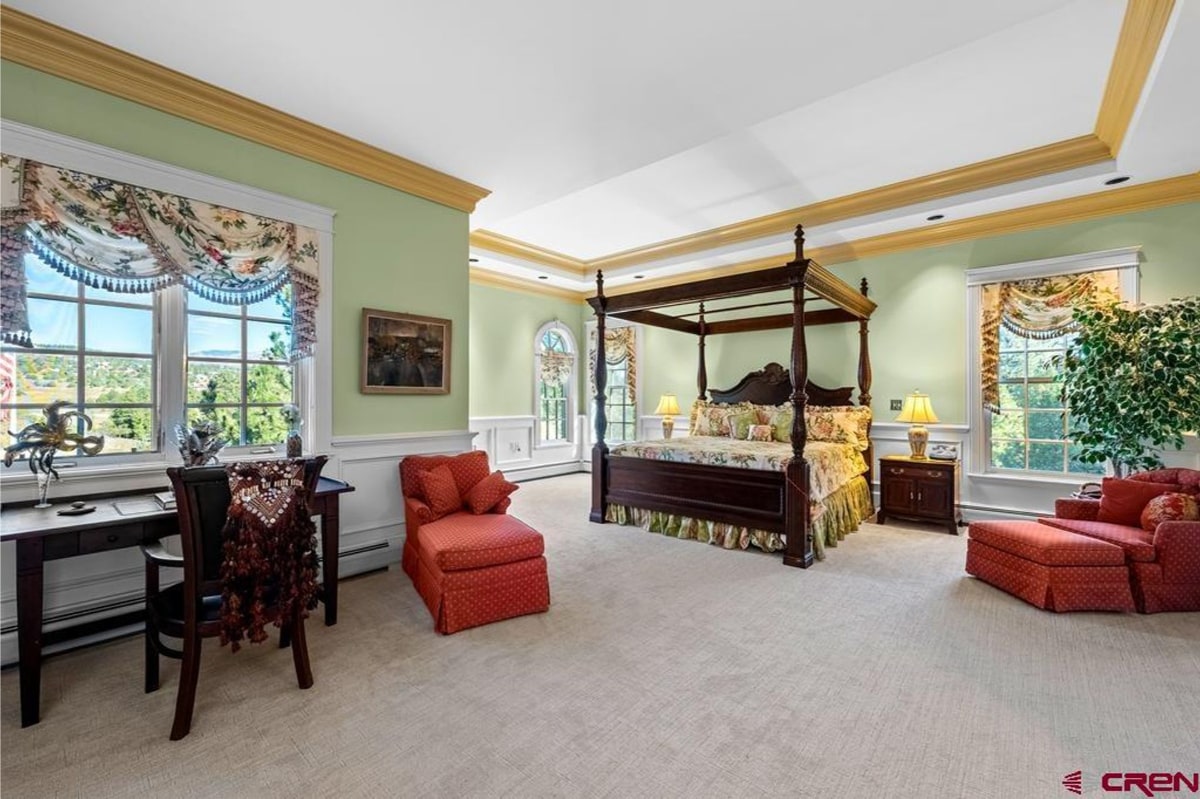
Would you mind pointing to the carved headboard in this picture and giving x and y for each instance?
(772, 385)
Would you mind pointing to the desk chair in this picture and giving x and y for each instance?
(192, 610)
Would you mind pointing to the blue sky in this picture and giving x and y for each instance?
(129, 330)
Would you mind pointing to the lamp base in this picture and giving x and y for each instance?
(917, 438)
(668, 426)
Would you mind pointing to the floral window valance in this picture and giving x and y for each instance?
(126, 238)
(620, 344)
(1038, 308)
(556, 367)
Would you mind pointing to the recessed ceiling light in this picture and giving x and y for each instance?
(935, 217)
(638, 277)
(472, 260)
(1116, 180)
(543, 277)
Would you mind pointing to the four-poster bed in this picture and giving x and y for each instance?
(768, 498)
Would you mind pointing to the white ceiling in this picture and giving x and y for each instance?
(606, 126)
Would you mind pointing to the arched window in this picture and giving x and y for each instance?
(554, 376)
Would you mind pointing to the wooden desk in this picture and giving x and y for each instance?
(42, 535)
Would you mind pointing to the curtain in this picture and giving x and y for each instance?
(1038, 308)
(620, 344)
(556, 367)
(129, 239)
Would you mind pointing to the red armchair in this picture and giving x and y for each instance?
(1164, 566)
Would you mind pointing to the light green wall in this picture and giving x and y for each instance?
(392, 250)
(919, 332)
(503, 326)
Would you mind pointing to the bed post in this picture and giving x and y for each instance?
(799, 551)
(702, 374)
(600, 449)
(864, 378)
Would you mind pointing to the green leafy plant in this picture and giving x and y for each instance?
(1132, 381)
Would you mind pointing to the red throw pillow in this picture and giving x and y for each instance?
(488, 493)
(1170, 508)
(440, 490)
(1121, 501)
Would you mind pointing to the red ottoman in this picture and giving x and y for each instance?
(1050, 568)
(476, 569)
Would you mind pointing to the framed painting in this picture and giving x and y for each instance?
(404, 353)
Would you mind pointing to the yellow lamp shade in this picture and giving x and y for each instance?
(667, 406)
(917, 410)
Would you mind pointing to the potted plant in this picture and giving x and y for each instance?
(1132, 381)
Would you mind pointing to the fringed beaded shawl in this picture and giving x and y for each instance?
(270, 550)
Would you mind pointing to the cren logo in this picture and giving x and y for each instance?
(1073, 782)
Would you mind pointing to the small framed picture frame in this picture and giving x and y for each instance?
(404, 353)
(943, 451)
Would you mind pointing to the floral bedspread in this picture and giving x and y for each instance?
(831, 465)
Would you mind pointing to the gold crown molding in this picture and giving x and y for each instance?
(1049, 159)
(1128, 200)
(1137, 46)
(57, 51)
(503, 245)
(484, 278)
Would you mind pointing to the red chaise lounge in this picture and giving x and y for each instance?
(1075, 561)
(471, 566)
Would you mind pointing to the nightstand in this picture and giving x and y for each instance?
(923, 490)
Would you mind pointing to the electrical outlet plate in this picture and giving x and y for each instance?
(897, 405)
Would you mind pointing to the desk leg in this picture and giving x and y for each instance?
(29, 626)
(329, 549)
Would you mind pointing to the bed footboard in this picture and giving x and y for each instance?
(763, 500)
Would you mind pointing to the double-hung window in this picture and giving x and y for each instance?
(144, 309)
(554, 376)
(1022, 321)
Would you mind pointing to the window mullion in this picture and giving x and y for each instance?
(171, 362)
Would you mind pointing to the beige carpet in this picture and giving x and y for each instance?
(664, 668)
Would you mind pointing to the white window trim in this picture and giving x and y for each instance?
(1126, 259)
(314, 376)
(572, 386)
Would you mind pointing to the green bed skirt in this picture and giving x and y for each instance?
(842, 512)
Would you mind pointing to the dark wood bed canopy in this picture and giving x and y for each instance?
(772, 501)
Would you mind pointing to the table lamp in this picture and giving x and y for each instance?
(667, 408)
(917, 411)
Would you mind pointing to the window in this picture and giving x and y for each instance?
(1030, 432)
(620, 408)
(100, 352)
(555, 376)
(554, 372)
(156, 346)
(96, 350)
(1019, 426)
(238, 374)
(620, 388)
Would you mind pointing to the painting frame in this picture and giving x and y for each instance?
(399, 349)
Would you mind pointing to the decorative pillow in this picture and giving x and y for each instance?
(1174, 507)
(712, 418)
(740, 423)
(833, 426)
(861, 416)
(780, 418)
(761, 432)
(488, 492)
(1122, 501)
(440, 490)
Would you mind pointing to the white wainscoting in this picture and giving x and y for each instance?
(92, 587)
(511, 445)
